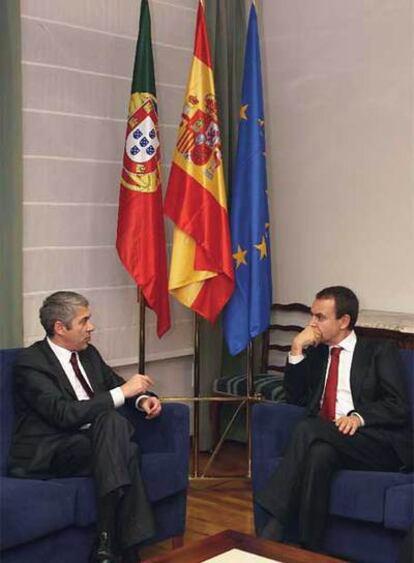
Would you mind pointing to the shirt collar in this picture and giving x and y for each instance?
(63, 354)
(348, 343)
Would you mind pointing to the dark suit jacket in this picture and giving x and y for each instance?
(47, 408)
(378, 388)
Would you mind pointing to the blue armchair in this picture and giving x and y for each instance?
(54, 520)
(370, 512)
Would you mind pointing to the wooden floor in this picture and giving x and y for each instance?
(216, 506)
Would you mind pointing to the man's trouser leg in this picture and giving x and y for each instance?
(303, 477)
(322, 461)
(107, 452)
(116, 468)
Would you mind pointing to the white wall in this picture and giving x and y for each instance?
(77, 68)
(339, 86)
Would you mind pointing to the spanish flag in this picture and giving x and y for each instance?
(201, 272)
(140, 236)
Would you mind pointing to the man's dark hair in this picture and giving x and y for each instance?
(60, 306)
(346, 302)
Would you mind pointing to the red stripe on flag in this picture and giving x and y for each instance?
(141, 247)
(201, 48)
(196, 212)
(213, 296)
(186, 141)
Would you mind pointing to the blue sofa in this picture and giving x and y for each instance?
(53, 521)
(370, 512)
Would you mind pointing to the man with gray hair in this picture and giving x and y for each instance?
(67, 423)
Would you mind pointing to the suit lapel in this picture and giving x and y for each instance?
(57, 369)
(358, 368)
(88, 366)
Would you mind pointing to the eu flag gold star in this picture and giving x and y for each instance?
(262, 248)
(243, 110)
(240, 256)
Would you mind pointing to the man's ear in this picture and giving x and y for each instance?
(345, 320)
(59, 328)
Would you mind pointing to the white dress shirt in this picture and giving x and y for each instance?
(344, 401)
(63, 355)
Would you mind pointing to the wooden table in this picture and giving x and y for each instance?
(212, 546)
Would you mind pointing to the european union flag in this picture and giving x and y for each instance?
(248, 311)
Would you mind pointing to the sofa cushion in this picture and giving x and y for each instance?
(361, 494)
(83, 489)
(31, 509)
(399, 506)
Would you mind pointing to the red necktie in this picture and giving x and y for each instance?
(78, 373)
(329, 399)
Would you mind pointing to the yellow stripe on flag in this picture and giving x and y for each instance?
(185, 283)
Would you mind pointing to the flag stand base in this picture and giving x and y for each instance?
(245, 401)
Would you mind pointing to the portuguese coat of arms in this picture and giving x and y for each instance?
(141, 157)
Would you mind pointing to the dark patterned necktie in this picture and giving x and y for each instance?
(78, 373)
(328, 407)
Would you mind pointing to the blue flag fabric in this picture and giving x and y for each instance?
(248, 311)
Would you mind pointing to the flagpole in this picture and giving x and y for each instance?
(196, 407)
(141, 349)
(249, 393)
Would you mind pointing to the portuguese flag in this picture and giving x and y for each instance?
(201, 272)
(140, 236)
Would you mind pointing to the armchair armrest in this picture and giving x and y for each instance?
(272, 425)
(169, 432)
